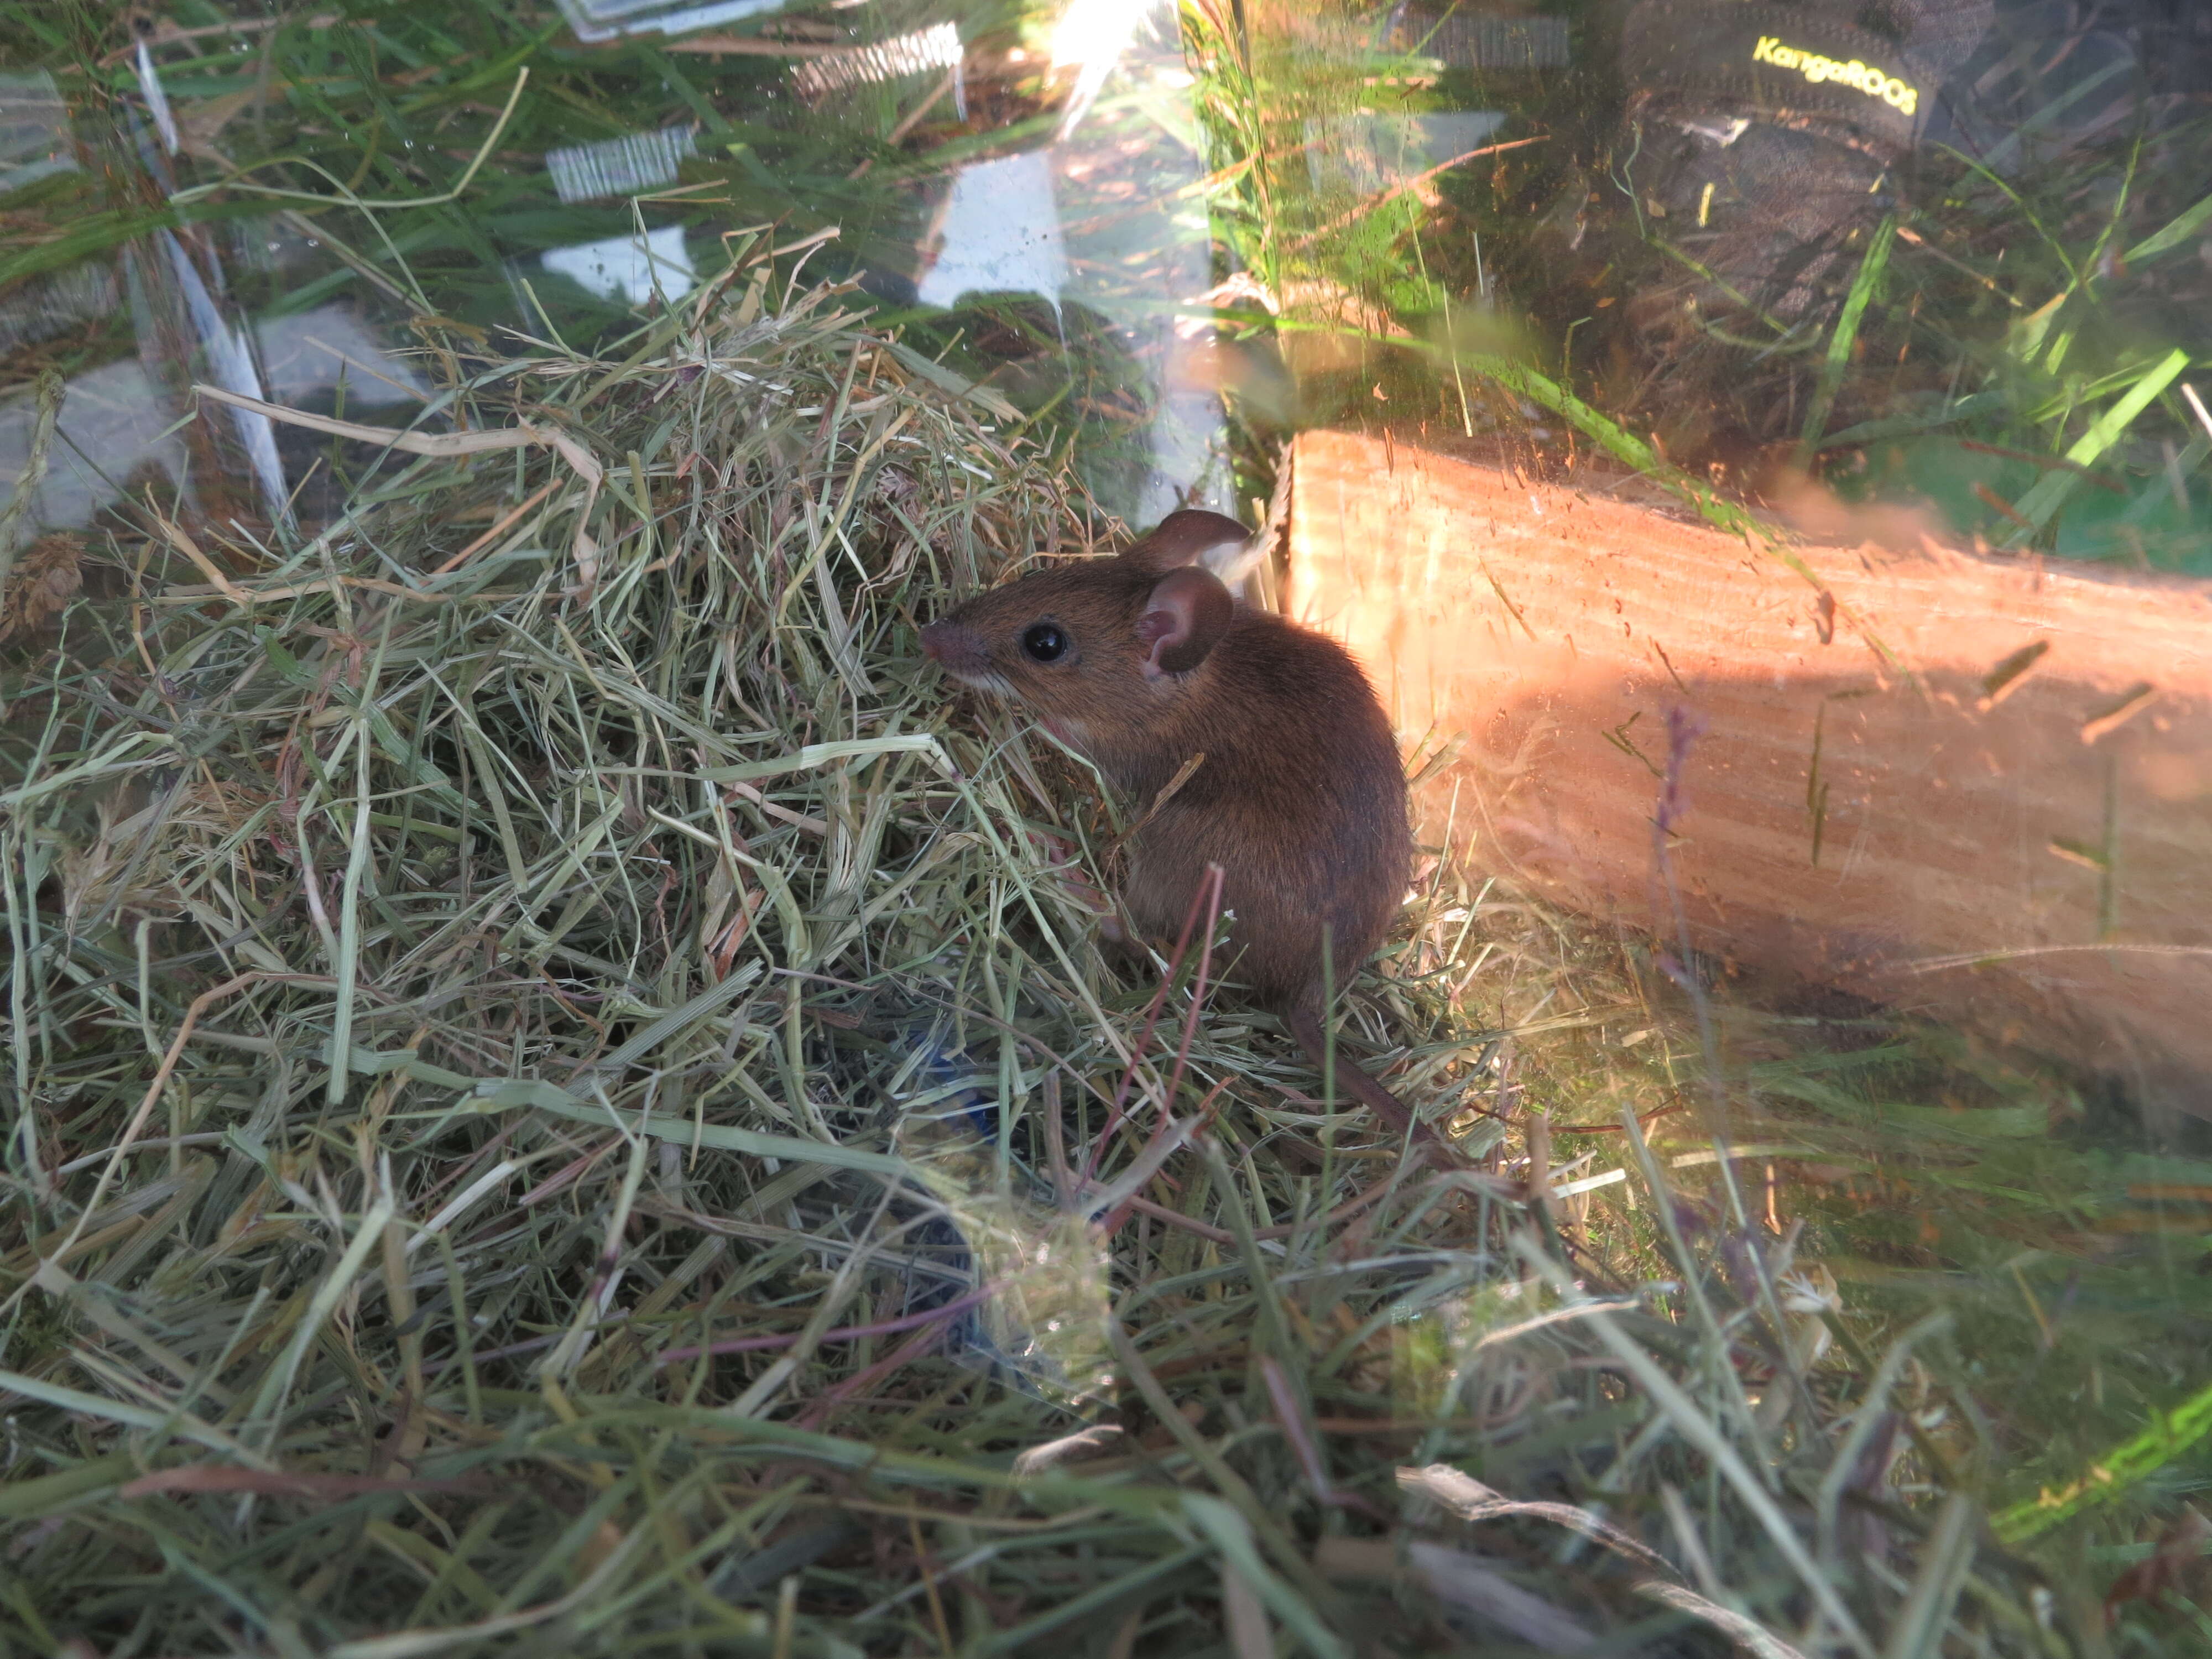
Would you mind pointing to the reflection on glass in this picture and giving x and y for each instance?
(1570, 316)
(631, 269)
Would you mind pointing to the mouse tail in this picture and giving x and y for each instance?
(1355, 1083)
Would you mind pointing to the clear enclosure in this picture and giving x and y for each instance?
(564, 1086)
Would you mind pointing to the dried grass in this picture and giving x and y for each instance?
(559, 1094)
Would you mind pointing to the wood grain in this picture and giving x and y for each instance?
(2002, 762)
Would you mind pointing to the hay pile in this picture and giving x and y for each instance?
(563, 1095)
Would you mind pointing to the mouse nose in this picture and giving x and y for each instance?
(952, 648)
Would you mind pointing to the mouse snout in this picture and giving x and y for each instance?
(954, 649)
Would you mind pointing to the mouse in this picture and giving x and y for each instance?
(1146, 659)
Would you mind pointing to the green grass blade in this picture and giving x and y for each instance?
(2179, 230)
(2042, 502)
(1837, 361)
(2116, 1474)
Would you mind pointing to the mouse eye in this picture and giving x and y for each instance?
(1044, 643)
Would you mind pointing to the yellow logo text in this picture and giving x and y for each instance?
(1899, 95)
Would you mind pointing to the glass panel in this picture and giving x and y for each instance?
(1757, 453)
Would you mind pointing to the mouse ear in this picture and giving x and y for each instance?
(1190, 538)
(1183, 619)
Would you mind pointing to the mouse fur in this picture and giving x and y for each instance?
(1301, 799)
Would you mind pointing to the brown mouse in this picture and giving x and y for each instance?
(1144, 660)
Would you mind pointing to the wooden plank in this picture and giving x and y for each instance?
(1989, 732)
